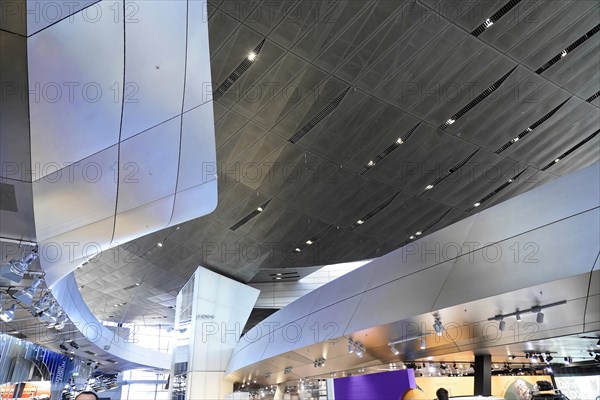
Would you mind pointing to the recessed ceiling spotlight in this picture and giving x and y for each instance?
(309, 242)
(428, 187)
(259, 209)
(370, 163)
(477, 204)
(279, 274)
(563, 54)
(278, 278)
(252, 56)
(450, 121)
(360, 222)
(412, 237)
(488, 22)
(516, 139)
(297, 250)
(557, 160)
(510, 180)
(159, 244)
(418, 233)
(399, 141)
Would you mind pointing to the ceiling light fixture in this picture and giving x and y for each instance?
(252, 56)
(477, 204)
(502, 325)
(309, 242)
(563, 54)
(418, 233)
(399, 141)
(159, 244)
(488, 22)
(557, 160)
(259, 209)
(297, 250)
(394, 350)
(450, 121)
(15, 269)
(9, 314)
(360, 222)
(412, 237)
(428, 187)
(438, 327)
(25, 296)
(423, 344)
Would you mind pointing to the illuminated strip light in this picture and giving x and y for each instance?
(476, 100)
(531, 128)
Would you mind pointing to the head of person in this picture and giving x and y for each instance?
(441, 394)
(87, 396)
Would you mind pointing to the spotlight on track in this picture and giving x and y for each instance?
(438, 327)
(394, 350)
(9, 314)
(15, 269)
(25, 296)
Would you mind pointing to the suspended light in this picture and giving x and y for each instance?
(540, 317)
(25, 296)
(9, 314)
(15, 269)
(394, 350)
(502, 325)
(437, 326)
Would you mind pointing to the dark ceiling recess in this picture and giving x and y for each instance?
(531, 127)
(388, 150)
(569, 49)
(8, 199)
(319, 117)
(452, 170)
(495, 17)
(253, 214)
(593, 97)
(498, 190)
(477, 100)
(372, 213)
(237, 73)
(572, 149)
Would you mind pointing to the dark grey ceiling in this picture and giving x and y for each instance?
(344, 80)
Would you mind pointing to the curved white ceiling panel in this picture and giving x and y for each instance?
(113, 157)
(155, 54)
(149, 165)
(75, 75)
(76, 196)
(198, 82)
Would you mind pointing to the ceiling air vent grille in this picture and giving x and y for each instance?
(495, 17)
(253, 214)
(237, 73)
(8, 199)
(497, 190)
(593, 97)
(531, 128)
(372, 213)
(319, 117)
(569, 49)
(449, 172)
(388, 150)
(572, 149)
(477, 100)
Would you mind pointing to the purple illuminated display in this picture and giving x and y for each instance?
(382, 386)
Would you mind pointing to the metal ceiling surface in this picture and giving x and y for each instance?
(406, 64)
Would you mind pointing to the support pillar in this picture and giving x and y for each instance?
(483, 375)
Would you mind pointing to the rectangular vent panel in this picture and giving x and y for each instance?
(319, 117)
(499, 189)
(569, 49)
(373, 212)
(8, 199)
(388, 150)
(593, 97)
(477, 100)
(571, 150)
(237, 73)
(495, 17)
(451, 171)
(250, 216)
(530, 129)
